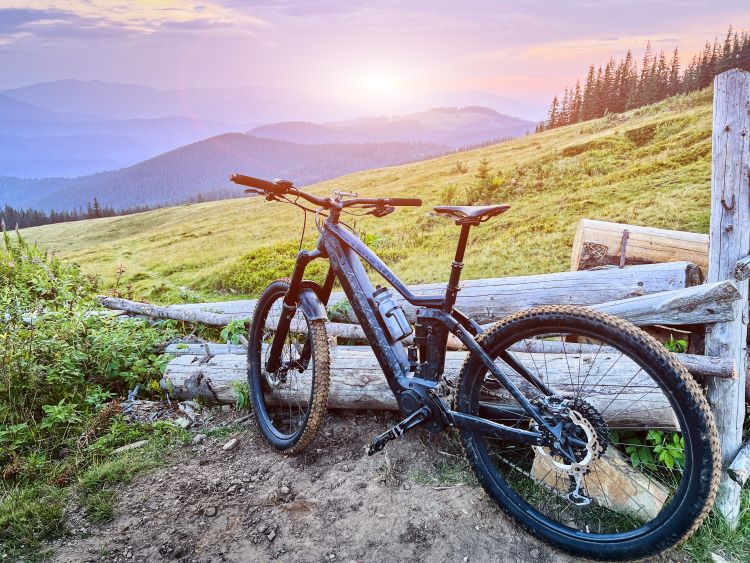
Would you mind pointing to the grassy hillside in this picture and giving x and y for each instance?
(650, 166)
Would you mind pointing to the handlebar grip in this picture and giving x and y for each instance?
(256, 183)
(405, 201)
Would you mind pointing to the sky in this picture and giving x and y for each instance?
(524, 50)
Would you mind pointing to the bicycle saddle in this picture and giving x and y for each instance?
(471, 213)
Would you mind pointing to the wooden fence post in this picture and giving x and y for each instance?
(729, 243)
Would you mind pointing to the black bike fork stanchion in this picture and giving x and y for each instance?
(289, 308)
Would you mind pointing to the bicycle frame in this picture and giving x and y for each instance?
(345, 252)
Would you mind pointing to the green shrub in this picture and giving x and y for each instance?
(59, 361)
(255, 270)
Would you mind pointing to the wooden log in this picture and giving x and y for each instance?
(730, 242)
(706, 303)
(599, 243)
(174, 312)
(492, 299)
(739, 470)
(699, 366)
(357, 382)
(612, 483)
(485, 300)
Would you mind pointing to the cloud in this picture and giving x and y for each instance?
(87, 18)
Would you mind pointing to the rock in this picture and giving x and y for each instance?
(242, 419)
(226, 408)
(716, 558)
(261, 529)
(407, 486)
(232, 489)
(535, 553)
(285, 490)
(131, 446)
(183, 422)
(210, 511)
(230, 445)
(199, 438)
(271, 535)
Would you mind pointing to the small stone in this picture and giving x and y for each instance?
(183, 422)
(199, 438)
(131, 446)
(261, 529)
(271, 535)
(230, 445)
(210, 511)
(284, 490)
(226, 408)
(535, 553)
(232, 489)
(407, 486)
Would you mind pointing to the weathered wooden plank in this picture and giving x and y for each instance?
(643, 243)
(358, 382)
(730, 242)
(699, 366)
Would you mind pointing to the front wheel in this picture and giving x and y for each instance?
(289, 404)
(638, 466)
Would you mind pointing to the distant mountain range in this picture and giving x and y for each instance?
(63, 143)
(202, 168)
(451, 127)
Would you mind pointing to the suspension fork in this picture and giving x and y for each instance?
(289, 309)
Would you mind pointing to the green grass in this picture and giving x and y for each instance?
(32, 513)
(650, 166)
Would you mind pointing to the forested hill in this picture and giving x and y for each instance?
(201, 170)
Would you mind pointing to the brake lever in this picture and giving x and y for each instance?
(382, 211)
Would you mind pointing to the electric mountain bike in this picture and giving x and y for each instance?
(582, 427)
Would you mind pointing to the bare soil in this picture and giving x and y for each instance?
(416, 502)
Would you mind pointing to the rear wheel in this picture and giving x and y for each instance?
(638, 468)
(289, 404)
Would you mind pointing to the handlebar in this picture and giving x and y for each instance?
(384, 201)
(280, 187)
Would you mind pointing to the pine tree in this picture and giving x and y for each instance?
(644, 84)
(661, 79)
(552, 115)
(673, 82)
(97, 209)
(564, 114)
(577, 101)
(588, 109)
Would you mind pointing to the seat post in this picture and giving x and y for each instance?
(452, 290)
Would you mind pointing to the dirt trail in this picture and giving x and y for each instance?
(332, 504)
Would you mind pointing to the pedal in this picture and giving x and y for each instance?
(414, 419)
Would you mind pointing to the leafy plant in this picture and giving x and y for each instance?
(676, 346)
(233, 331)
(654, 450)
(242, 402)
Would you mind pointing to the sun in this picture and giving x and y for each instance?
(379, 83)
